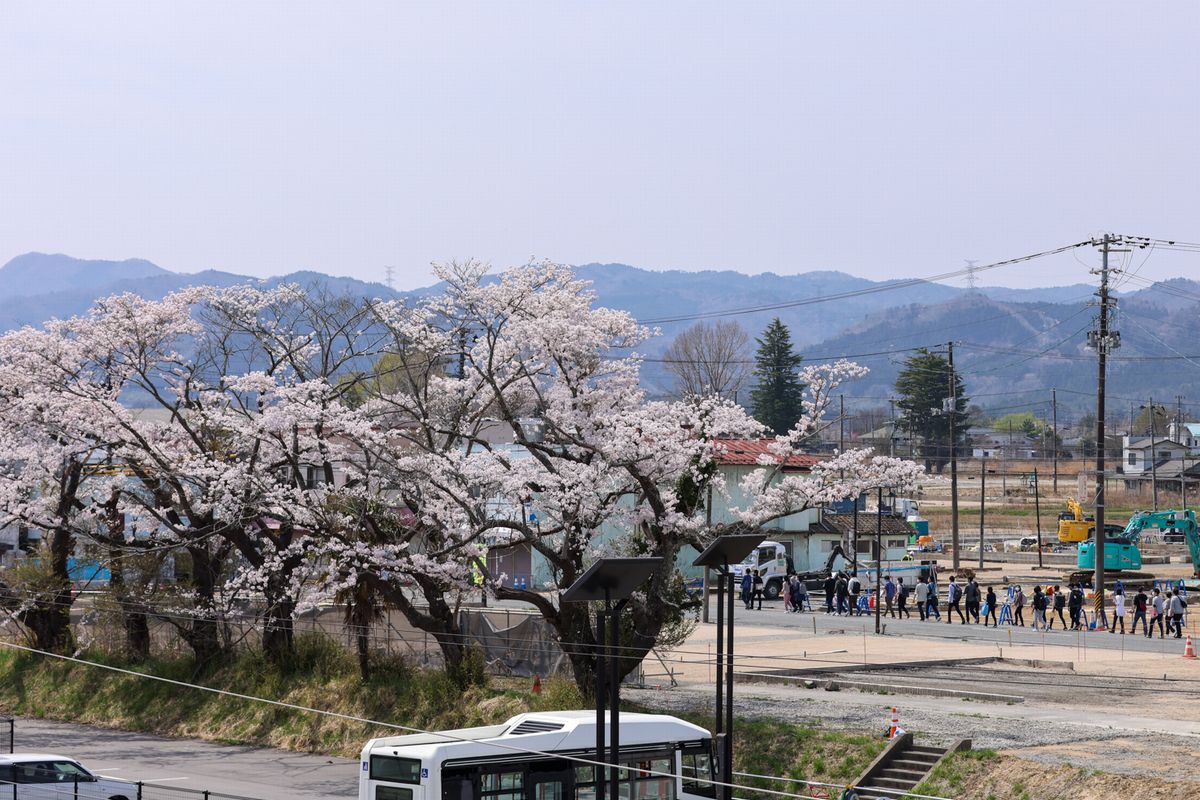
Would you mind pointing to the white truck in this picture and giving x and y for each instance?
(773, 561)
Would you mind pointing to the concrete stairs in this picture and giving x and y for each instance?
(901, 766)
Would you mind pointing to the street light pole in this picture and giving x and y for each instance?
(606, 581)
(725, 550)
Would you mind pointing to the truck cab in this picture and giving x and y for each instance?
(773, 561)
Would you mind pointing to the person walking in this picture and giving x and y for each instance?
(855, 587)
(800, 596)
(902, 600)
(1156, 614)
(1075, 605)
(1170, 620)
(786, 593)
(758, 587)
(1118, 613)
(990, 608)
(1177, 608)
(842, 590)
(971, 598)
(830, 586)
(1140, 603)
(1060, 602)
(889, 596)
(932, 610)
(922, 598)
(1039, 609)
(747, 587)
(1019, 607)
(954, 602)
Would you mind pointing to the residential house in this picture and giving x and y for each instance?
(992, 443)
(1172, 461)
(889, 439)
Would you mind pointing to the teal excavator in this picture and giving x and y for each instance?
(1121, 553)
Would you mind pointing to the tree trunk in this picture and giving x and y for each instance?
(49, 618)
(202, 631)
(279, 633)
(438, 619)
(134, 618)
(362, 644)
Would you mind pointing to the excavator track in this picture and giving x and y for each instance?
(1127, 577)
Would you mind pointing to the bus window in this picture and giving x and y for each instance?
(638, 783)
(395, 770)
(585, 783)
(393, 793)
(549, 781)
(502, 785)
(697, 772)
(457, 787)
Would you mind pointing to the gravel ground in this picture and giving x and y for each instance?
(1107, 749)
(935, 726)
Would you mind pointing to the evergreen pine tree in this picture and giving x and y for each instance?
(923, 386)
(777, 394)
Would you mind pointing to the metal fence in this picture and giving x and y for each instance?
(104, 789)
(514, 641)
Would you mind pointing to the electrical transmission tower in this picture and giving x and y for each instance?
(972, 281)
(388, 274)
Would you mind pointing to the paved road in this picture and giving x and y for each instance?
(248, 771)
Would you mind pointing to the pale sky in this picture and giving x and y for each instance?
(881, 139)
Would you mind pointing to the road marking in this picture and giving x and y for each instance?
(160, 780)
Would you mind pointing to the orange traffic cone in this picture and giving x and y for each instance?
(1188, 650)
(537, 684)
(895, 724)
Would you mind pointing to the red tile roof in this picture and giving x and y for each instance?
(745, 452)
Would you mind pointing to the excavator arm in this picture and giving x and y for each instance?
(837, 551)
(1075, 509)
(1193, 543)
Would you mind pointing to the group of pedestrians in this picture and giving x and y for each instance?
(842, 594)
(973, 603)
(752, 588)
(1156, 610)
(970, 602)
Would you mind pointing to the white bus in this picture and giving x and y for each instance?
(496, 762)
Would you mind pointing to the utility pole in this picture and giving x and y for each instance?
(892, 429)
(841, 423)
(1054, 434)
(1037, 505)
(953, 411)
(982, 498)
(1103, 340)
(879, 554)
(1153, 460)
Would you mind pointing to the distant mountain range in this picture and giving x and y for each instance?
(1012, 345)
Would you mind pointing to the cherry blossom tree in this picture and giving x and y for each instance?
(608, 471)
(246, 383)
(306, 447)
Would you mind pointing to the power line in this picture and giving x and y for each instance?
(886, 287)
